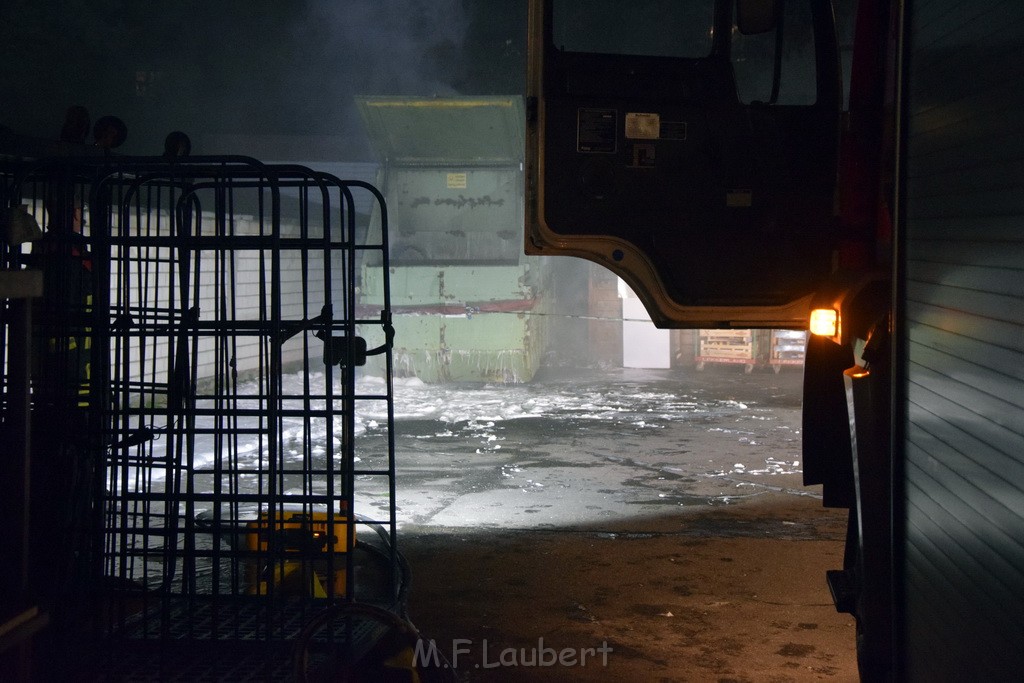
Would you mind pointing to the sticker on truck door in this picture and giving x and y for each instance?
(643, 126)
(595, 130)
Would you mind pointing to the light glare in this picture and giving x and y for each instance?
(824, 322)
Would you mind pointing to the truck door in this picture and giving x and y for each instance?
(690, 147)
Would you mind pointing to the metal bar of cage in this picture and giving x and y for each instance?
(222, 506)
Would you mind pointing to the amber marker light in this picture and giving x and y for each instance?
(825, 322)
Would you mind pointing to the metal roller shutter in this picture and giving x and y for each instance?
(962, 547)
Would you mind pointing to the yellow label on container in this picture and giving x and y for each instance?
(456, 181)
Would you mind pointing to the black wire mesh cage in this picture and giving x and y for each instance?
(218, 462)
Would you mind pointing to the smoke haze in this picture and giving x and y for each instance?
(246, 67)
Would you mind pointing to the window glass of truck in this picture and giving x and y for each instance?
(653, 28)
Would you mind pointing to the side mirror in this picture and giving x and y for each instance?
(756, 16)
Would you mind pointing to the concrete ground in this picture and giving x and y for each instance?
(621, 525)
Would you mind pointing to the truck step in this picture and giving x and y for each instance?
(844, 588)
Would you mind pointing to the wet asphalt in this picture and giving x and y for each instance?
(660, 513)
(587, 447)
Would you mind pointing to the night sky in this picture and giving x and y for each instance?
(247, 67)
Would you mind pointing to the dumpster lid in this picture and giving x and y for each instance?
(442, 130)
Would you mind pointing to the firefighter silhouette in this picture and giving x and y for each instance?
(63, 456)
(61, 318)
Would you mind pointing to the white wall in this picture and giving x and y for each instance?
(643, 345)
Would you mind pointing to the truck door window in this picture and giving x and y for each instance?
(652, 28)
(753, 60)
